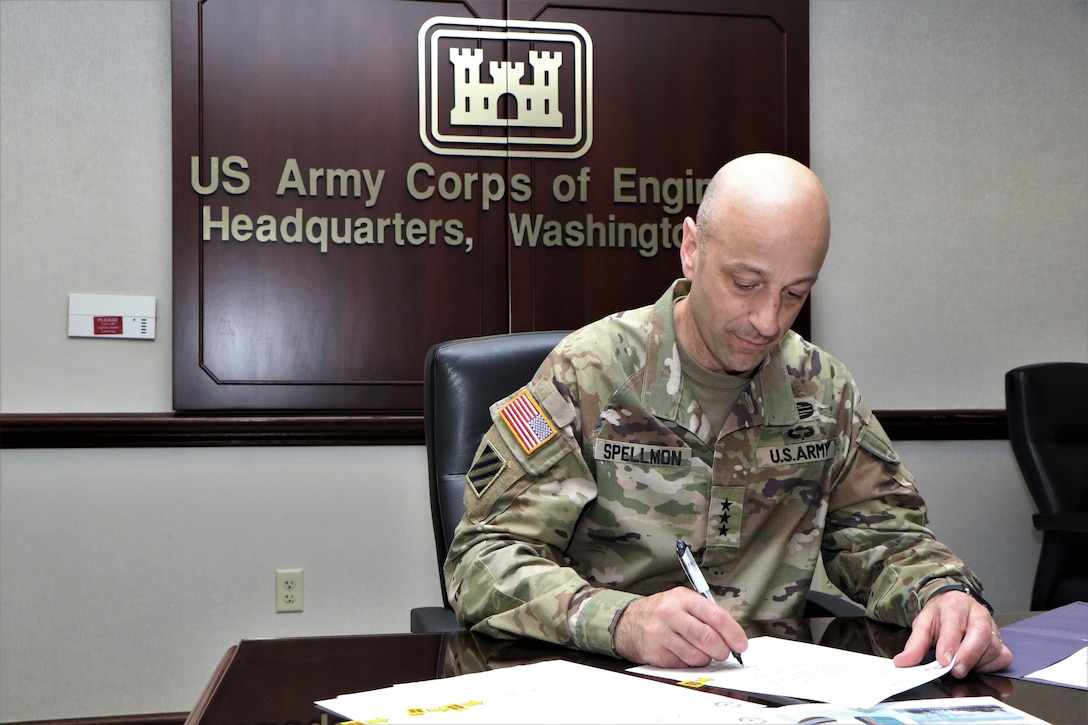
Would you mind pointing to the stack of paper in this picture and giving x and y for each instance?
(560, 691)
(543, 692)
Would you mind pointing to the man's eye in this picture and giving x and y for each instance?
(744, 286)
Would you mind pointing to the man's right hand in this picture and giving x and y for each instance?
(677, 628)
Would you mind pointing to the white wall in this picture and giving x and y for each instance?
(85, 199)
(951, 136)
(126, 574)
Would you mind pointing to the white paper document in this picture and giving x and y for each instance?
(782, 667)
(1072, 671)
(559, 691)
(544, 692)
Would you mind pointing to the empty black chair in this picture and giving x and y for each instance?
(1047, 407)
(461, 379)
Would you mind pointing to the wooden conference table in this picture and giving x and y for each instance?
(276, 681)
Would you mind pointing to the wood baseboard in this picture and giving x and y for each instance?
(170, 430)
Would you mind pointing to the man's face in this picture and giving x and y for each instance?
(748, 283)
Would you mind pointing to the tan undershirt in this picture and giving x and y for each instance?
(716, 393)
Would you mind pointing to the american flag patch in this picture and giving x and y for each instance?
(527, 422)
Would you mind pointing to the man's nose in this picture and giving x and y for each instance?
(764, 316)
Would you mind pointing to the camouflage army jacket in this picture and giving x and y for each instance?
(590, 474)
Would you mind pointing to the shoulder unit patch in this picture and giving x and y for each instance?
(485, 469)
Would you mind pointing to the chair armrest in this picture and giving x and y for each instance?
(434, 619)
(822, 604)
(1077, 523)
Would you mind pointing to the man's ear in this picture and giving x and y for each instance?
(689, 249)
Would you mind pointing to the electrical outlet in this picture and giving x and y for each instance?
(289, 590)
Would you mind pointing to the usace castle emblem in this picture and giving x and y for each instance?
(476, 102)
(505, 88)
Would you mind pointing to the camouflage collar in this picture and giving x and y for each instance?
(773, 378)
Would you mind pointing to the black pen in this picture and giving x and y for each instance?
(695, 576)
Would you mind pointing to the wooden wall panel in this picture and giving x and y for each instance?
(680, 88)
(270, 92)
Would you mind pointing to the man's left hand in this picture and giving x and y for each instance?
(955, 625)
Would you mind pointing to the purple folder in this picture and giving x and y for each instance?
(1046, 638)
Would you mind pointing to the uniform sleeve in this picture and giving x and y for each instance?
(506, 571)
(877, 545)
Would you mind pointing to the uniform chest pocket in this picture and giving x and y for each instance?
(644, 472)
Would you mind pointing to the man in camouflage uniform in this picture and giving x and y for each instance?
(704, 418)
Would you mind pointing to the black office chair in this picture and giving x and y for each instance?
(461, 379)
(1047, 406)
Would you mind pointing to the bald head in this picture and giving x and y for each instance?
(752, 257)
(765, 188)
